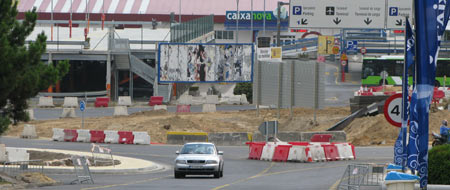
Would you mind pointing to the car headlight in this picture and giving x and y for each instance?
(211, 162)
(180, 161)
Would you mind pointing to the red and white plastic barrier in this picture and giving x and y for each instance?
(99, 136)
(301, 151)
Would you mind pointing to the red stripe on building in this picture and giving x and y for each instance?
(148, 10)
(121, 6)
(91, 5)
(60, 5)
(44, 6)
(28, 5)
(136, 6)
(75, 5)
(106, 5)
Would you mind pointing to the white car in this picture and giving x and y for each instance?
(199, 158)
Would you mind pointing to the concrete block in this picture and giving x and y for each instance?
(209, 108)
(58, 134)
(229, 139)
(141, 138)
(124, 101)
(3, 153)
(236, 99)
(83, 135)
(212, 99)
(46, 102)
(68, 113)
(286, 136)
(29, 132)
(70, 102)
(30, 113)
(338, 136)
(185, 100)
(120, 110)
(244, 99)
(160, 107)
(184, 137)
(111, 136)
(17, 154)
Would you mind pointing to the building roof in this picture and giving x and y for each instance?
(155, 7)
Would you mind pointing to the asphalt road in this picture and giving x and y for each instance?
(239, 173)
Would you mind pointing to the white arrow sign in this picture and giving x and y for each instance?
(396, 13)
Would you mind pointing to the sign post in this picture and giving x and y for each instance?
(82, 108)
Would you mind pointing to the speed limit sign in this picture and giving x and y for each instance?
(393, 110)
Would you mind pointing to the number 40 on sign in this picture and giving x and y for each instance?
(393, 110)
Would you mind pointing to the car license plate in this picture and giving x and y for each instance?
(195, 167)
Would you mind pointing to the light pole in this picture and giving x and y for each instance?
(237, 21)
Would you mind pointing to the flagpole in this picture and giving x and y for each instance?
(404, 97)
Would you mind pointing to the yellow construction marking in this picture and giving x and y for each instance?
(186, 133)
(125, 184)
(246, 179)
(334, 186)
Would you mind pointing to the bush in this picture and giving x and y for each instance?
(439, 165)
(244, 88)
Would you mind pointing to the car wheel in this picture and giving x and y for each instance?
(217, 174)
(179, 175)
(221, 173)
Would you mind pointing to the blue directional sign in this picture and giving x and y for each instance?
(352, 45)
(82, 106)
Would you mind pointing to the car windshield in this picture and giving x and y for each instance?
(198, 149)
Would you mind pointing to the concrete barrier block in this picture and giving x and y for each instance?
(212, 99)
(3, 153)
(83, 135)
(160, 107)
(209, 108)
(17, 154)
(29, 132)
(111, 136)
(338, 136)
(120, 110)
(184, 137)
(185, 100)
(30, 113)
(286, 136)
(58, 134)
(68, 113)
(141, 138)
(46, 102)
(229, 139)
(124, 101)
(236, 99)
(244, 99)
(70, 102)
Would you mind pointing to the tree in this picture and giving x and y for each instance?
(244, 88)
(22, 73)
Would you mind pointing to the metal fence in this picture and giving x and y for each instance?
(192, 29)
(81, 167)
(17, 168)
(362, 175)
(102, 154)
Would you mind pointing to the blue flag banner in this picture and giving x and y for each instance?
(400, 150)
(431, 18)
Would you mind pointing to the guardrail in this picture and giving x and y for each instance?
(74, 94)
(17, 168)
(358, 175)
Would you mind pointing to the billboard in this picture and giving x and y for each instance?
(192, 63)
(245, 18)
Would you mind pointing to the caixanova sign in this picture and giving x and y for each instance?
(245, 18)
(246, 15)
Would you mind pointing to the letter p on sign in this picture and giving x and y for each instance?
(297, 10)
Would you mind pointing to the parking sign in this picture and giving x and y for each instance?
(297, 10)
(393, 11)
(352, 45)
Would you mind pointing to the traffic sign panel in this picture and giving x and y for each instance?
(397, 11)
(393, 110)
(82, 106)
(337, 14)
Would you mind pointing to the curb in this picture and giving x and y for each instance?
(148, 167)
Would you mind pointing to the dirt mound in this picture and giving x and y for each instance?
(377, 131)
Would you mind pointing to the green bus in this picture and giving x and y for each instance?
(392, 66)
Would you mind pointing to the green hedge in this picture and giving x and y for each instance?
(439, 165)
